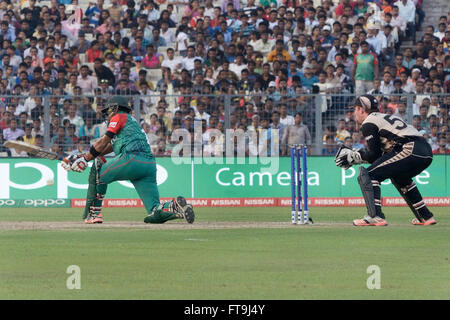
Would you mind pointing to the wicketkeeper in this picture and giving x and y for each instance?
(395, 151)
(133, 161)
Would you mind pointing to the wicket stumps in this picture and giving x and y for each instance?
(299, 211)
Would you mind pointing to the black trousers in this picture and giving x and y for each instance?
(403, 164)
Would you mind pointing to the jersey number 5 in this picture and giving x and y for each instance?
(394, 120)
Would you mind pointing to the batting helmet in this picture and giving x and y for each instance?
(115, 103)
(368, 102)
(118, 101)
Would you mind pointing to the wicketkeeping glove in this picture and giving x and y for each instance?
(80, 164)
(341, 157)
(354, 157)
(346, 157)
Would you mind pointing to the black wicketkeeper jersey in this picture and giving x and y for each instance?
(383, 132)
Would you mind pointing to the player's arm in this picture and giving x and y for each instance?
(101, 147)
(373, 142)
(375, 66)
(346, 157)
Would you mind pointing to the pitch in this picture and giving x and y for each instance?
(228, 253)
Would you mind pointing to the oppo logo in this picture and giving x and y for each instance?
(6, 174)
(11, 172)
(43, 202)
(7, 203)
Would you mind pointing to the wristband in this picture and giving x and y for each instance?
(94, 152)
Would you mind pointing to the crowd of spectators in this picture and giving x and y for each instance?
(268, 54)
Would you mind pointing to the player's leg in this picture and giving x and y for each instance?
(95, 194)
(408, 189)
(387, 166)
(174, 209)
(142, 173)
(101, 174)
(371, 191)
(161, 212)
(400, 167)
(147, 189)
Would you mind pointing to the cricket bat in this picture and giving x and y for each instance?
(33, 150)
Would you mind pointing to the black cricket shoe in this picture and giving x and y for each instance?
(184, 210)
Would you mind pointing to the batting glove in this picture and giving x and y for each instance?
(80, 164)
(66, 163)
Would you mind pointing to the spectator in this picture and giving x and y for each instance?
(103, 72)
(4, 151)
(86, 82)
(5, 121)
(401, 111)
(182, 41)
(357, 144)
(348, 142)
(279, 51)
(73, 118)
(342, 133)
(37, 128)
(18, 153)
(297, 133)
(94, 52)
(28, 137)
(71, 134)
(161, 149)
(309, 79)
(407, 10)
(330, 147)
(273, 52)
(442, 147)
(61, 140)
(156, 40)
(12, 132)
(152, 59)
(365, 69)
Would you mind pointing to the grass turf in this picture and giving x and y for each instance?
(328, 262)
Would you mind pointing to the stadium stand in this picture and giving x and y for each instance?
(179, 61)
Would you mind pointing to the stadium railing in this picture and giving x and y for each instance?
(160, 114)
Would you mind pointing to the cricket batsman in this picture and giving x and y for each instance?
(133, 161)
(396, 151)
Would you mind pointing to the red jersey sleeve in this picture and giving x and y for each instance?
(375, 59)
(116, 123)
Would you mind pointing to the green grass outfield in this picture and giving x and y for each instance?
(233, 260)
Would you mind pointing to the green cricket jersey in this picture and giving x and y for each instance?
(127, 136)
(365, 66)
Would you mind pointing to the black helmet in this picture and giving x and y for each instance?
(368, 102)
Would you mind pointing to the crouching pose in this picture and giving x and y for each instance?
(395, 151)
(133, 161)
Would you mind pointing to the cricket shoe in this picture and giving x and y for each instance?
(94, 218)
(183, 210)
(428, 222)
(369, 221)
